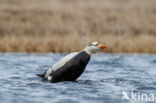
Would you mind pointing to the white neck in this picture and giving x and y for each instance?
(89, 50)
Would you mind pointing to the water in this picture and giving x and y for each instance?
(106, 77)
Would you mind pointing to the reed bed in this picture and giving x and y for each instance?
(69, 25)
(140, 44)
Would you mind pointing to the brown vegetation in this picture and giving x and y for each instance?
(68, 25)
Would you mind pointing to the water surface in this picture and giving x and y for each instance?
(106, 77)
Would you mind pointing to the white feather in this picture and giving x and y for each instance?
(60, 63)
(95, 43)
(49, 78)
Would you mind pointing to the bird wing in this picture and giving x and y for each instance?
(60, 63)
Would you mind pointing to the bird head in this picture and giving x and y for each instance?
(94, 47)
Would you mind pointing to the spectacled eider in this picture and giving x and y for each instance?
(71, 66)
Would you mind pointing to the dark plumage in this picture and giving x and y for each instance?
(72, 69)
(71, 66)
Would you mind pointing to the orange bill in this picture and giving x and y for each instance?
(101, 46)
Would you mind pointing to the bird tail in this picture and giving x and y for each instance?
(40, 75)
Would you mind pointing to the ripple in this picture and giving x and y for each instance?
(153, 61)
(34, 84)
(103, 81)
(67, 101)
(146, 88)
(86, 82)
(15, 78)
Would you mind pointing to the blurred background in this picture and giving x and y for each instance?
(69, 25)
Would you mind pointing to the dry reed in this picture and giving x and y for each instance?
(68, 25)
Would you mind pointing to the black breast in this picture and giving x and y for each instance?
(72, 69)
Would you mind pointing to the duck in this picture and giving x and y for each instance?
(70, 67)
